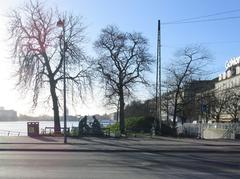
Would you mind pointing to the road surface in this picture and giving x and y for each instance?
(118, 165)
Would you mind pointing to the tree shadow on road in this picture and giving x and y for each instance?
(185, 165)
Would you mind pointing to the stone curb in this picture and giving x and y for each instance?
(120, 150)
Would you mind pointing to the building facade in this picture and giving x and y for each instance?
(227, 89)
(216, 100)
(231, 77)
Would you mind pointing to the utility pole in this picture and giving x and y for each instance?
(160, 73)
(158, 78)
(157, 99)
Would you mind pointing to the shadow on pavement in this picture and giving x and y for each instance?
(45, 139)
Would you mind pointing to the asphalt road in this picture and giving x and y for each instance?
(130, 165)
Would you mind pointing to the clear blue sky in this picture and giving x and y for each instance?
(220, 37)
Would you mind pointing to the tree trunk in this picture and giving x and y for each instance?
(52, 83)
(217, 117)
(122, 120)
(175, 109)
(57, 128)
(167, 111)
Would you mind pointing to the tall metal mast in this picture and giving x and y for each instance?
(158, 78)
(160, 73)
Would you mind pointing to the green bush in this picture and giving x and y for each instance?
(139, 124)
(135, 124)
(114, 127)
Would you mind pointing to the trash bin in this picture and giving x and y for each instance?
(33, 129)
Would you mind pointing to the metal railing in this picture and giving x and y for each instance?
(12, 133)
(50, 130)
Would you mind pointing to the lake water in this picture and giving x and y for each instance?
(17, 127)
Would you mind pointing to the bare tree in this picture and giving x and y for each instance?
(189, 65)
(123, 59)
(167, 105)
(203, 105)
(40, 48)
(233, 104)
(218, 100)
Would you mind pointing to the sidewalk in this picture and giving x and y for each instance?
(93, 144)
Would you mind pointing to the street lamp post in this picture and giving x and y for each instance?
(61, 24)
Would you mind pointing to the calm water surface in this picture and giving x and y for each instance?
(21, 126)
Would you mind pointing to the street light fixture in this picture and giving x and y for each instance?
(61, 24)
